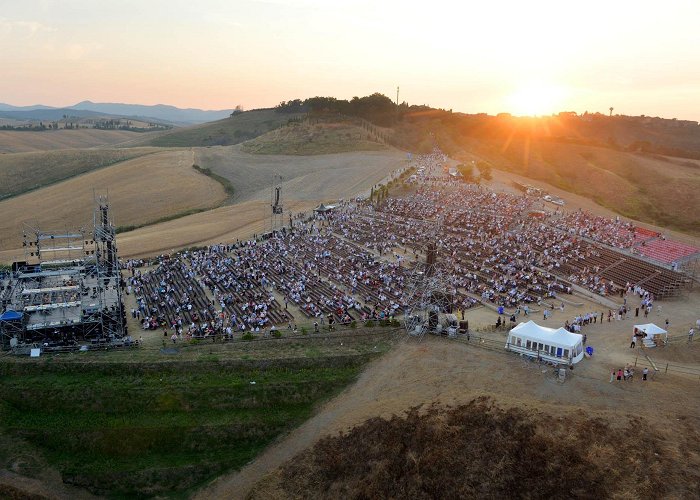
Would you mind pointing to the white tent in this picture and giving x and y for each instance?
(556, 345)
(655, 334)
(651, 329)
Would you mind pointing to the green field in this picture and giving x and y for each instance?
(225, 132)
(146, 429)
(23, 172)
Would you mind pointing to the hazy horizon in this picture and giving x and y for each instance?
(540, 58)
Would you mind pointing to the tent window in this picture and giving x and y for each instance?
(552, 350)
(539, 346)
(528, 344)
(518, 341)
(566, 353)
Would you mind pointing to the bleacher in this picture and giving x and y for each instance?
(622, 269)
(666, 251)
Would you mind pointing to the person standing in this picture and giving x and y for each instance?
(633, 344)
(612, 375)
(645, 371)
(619, 374)
(691, 334)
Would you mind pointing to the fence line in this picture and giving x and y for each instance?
(664, 367)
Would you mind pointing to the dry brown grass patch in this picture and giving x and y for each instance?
(480, 450)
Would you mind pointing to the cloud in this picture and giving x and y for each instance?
(23, 29)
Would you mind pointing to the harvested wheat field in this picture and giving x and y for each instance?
(23, 172)
(224, 224)
(141, 191)
(309, 178)
(22, 142)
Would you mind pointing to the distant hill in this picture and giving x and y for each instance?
(158, 111)
(226, 132)
(48, 114)
(85, 109)
(10, 107)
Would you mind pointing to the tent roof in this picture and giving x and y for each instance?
(322, 208)
(10, 315)
(650, 328)
(558, 335)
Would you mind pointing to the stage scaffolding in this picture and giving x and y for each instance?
(67, 292)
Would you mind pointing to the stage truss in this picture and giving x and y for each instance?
(429, 295)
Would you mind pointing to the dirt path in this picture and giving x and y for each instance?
(439, 370)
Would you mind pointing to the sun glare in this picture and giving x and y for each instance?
(535, 99)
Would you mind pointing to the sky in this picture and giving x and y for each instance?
(524, 57)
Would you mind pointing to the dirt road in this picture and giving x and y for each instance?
(446, 372)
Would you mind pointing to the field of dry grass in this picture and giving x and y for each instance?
(24, 142)
(305, 178)
(649, 188)
(302, 138)
(140, 195)
(308, 180)
(22, 172)
(499, 453)
(141, 190)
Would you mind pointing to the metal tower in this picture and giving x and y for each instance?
(111, 317)
(277, 211)
(429, 296)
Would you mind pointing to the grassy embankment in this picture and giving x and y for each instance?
(149, 429)
(225, 132)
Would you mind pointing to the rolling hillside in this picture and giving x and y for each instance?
(655, 189)
(141, 191)
(226, 132)
(305, 138)
(22, 172)
(24, 142)
(316, 177)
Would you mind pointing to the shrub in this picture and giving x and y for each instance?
(248, 336)
(276, 333)
(369, 323)
(304, 330)
(353, 324)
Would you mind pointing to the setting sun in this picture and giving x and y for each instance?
(537, 98)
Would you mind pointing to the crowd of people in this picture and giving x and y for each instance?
(355, 263)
